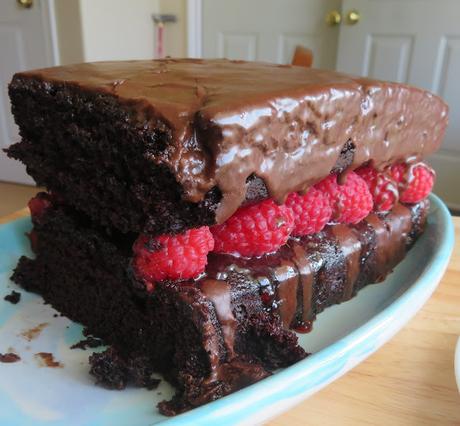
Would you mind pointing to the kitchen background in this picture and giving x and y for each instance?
(410, 41)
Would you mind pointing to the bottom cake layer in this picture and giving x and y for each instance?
(223, 331)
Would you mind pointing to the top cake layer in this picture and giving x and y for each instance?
(224, 121)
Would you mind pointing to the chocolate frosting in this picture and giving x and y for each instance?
(228, 120)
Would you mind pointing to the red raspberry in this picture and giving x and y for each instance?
(415, 181)
(351, 200)
(397, 171)
(172, 257)
(39, 204)
(382, 188)
(254, 230)
(311, 211)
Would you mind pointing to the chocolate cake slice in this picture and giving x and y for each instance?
(200, 212)
(162, 146)
(223, 331)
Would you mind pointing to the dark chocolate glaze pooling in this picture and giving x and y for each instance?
(288, 276)
(350, 246)
(391, 235)
(228, 120)
(298, 282)
(218, 292)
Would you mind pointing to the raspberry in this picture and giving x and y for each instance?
(311, 211)
(351, 200)
(415, 181)
(382, 188)
(254, 230)
(38, 205)
(397, 171)
(173, 257)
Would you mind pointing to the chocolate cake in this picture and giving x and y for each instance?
(162, 146)
(200, 212)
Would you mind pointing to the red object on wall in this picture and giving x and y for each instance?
(159, 48)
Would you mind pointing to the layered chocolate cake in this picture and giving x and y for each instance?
(200, 212)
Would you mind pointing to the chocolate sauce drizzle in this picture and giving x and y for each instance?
(285, 280)
(292, 283)
(350, 245)
(218, 292)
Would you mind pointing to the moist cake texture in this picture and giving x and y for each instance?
(180, 143)
(227, 329)
(199, 213)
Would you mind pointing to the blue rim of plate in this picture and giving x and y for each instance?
(316, 371)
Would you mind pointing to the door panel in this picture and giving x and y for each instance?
(237, 46)
(12, 46)
(415, 42)
(268, 30)
(447, 84)
(25, 43)
(387, 57)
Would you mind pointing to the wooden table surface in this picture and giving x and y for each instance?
(409, 381)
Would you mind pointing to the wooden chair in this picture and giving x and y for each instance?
(303, 57)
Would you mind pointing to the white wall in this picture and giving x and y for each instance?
(117, 29)
(68, 25)
(175, 40)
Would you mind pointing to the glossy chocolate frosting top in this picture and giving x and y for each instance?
(227, 120)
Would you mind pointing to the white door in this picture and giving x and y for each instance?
(25, 43)
(268, 30)
(415, 42)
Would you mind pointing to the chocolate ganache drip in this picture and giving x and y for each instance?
(311, 273)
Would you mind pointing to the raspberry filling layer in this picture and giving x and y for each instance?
(283, 249)
(264, 227)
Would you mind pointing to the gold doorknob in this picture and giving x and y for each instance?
(25, 4)
(353, 17)
(333, 18)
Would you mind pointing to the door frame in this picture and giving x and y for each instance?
(194, 28)
(49, 23)
(52, 57)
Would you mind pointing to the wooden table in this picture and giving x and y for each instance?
(410, 381)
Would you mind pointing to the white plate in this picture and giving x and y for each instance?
(342, 337)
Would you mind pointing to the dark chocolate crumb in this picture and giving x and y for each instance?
(14, 297)
(9, 357)
(90, 342)
(114, 372)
